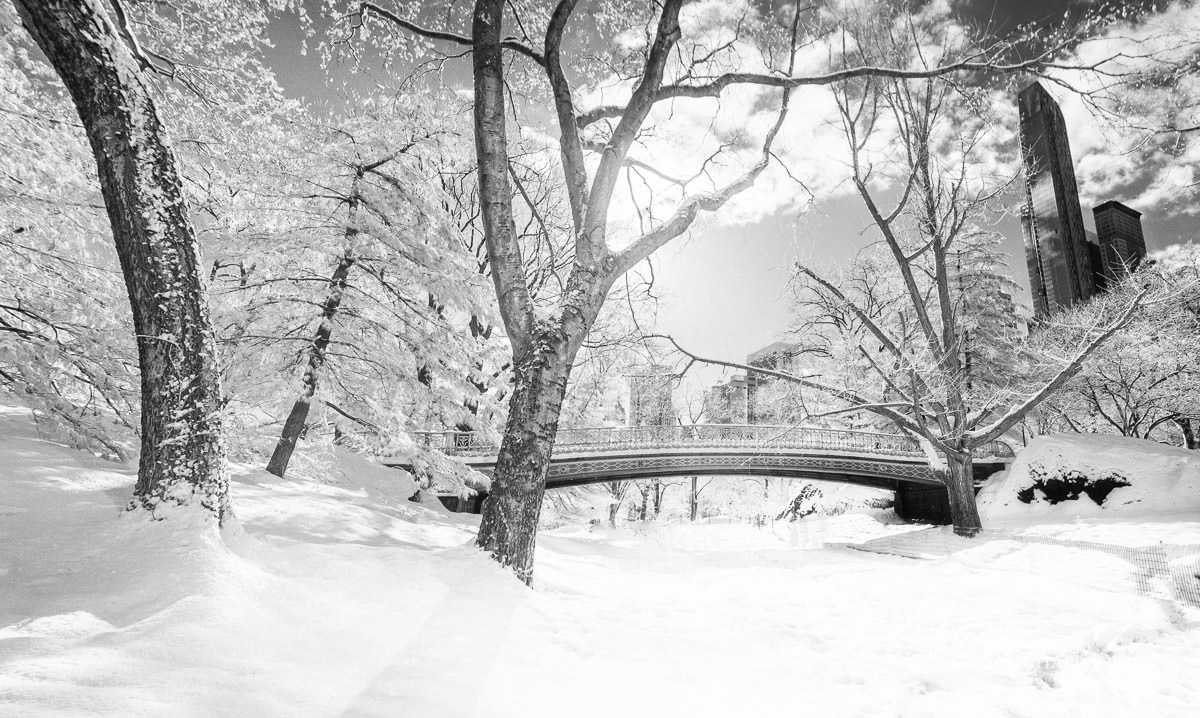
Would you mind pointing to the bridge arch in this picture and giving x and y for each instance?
(589, 456)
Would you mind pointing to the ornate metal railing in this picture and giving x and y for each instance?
(626, 438)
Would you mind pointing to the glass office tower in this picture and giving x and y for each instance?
(1060, 269)
(1122, 245)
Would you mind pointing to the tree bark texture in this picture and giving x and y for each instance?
(182, 448)
(508, 527)
(960, 485)
(293, 428)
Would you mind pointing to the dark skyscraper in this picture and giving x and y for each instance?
(1060, 270)
(1119, 231)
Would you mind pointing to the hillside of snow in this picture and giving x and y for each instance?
(1070, 476)
(335, 596)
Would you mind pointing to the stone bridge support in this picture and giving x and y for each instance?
(931, 504)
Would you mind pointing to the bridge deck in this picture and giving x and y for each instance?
(584, 456)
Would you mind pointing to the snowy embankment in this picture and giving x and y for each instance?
(1072, 477)
(343, 599)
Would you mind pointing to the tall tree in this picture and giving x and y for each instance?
(182, 451)
(545, 343)
(65, 348)
(362, 310)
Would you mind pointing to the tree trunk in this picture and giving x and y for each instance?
(658, 497)
(1189, 433)
(613, 509)
(694, 499)
(182, 446)
(508, 528)
(293, 428)
(645, 510)
(960, 485)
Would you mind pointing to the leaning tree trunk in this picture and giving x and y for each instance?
(1189, 433)
(694, 500)
(508, 527)
(182, 447)
(960, 485)
(293, 428)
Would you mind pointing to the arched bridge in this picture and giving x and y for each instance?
(587, 456)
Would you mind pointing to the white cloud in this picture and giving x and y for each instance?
(686, 132)
(1113, 158)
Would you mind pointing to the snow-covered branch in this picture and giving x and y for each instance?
(993, 431)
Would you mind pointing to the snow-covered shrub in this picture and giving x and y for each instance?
(812, 501)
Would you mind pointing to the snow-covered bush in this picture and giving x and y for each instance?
(1084, 475)
(833, 501)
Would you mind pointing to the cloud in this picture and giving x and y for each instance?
(711, 141)
(1111, 126)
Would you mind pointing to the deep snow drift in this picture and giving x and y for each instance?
(343, 599)
(1070, 476)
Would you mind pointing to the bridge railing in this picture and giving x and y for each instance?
(624, 438)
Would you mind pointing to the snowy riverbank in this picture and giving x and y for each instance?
(345, 600)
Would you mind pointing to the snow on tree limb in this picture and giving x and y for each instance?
(1010, 419)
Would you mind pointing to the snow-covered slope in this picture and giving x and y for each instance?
(339, 598)
(1067, 476)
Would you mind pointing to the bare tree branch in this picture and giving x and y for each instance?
(997, 428)
(564, 105)
(886, 410)
(508, 43)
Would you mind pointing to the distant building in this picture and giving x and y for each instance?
(1056, 249)
(1096, 260)
(778, 356)
(1015, 315)
(728, 403)
(987, 313)
(1120, 243)
(651, 396)
(734, 402)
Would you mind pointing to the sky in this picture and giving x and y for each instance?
(723, 288)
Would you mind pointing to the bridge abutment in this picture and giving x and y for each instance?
(472, 504)
(921, 502)
(931, 504)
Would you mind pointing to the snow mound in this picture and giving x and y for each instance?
(1067, 476)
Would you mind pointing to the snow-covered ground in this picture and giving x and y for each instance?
(343, 599)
